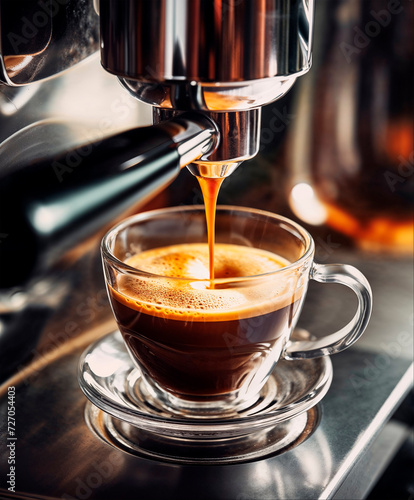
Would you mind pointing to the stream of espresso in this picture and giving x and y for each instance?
(210, 187)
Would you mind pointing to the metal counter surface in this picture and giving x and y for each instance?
(57, 456)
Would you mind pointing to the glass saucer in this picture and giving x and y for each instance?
(112, 383)
(213, 450)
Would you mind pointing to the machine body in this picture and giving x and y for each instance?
(220, 60)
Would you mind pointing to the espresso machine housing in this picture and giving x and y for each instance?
(207, 67)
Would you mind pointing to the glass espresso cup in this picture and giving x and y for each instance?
(206, 346)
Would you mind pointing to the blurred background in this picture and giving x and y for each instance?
(337, 151)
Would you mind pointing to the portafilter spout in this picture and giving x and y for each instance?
(239, 139)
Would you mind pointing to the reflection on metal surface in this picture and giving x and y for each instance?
(12, 99)
(209, 55)
(54, 354)
(37, 39)
(239, 134)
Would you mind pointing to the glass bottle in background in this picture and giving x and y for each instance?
(351, 150)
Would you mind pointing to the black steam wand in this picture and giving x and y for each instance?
(49, 206)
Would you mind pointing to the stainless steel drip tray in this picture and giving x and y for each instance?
(58, 456)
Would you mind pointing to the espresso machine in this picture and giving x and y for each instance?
(205, 67)
(77, 153)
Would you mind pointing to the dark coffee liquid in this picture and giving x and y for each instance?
(202, 358)
(197, 341)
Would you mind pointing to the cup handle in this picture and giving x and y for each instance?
(342, 339)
